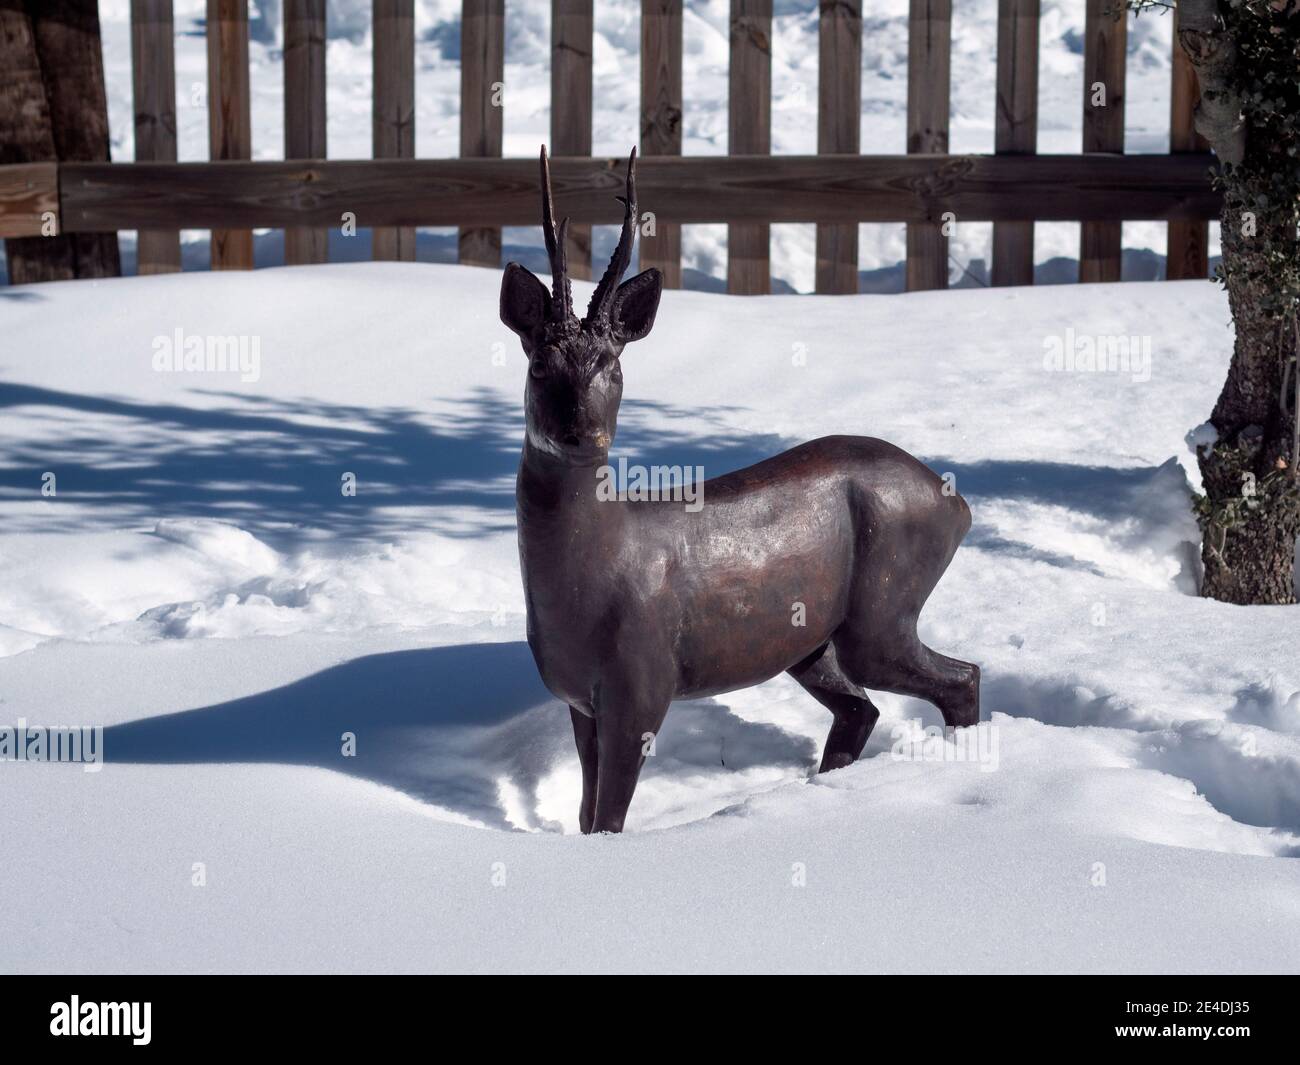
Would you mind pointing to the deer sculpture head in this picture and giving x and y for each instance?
(574, 379)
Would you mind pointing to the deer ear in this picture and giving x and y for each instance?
(635, 304)
(525, 303)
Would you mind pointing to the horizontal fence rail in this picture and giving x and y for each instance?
(29, 199)
(747, 190)
(97, 197)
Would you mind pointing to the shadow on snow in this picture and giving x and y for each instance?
(272, 464)
(446, 725)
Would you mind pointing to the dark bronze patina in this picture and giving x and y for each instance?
(634, 604)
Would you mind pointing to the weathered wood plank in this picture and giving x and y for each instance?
(153, 87)
(482, 74)
(393, 115)
(69, 44)
(304, 112)
(749, 127)
(929, 52)
(661, 123)
(26, 132)
(839, 114)
(685, 189)
(1188, 252)
(27, 146)
(1104, 53)
(27, 192)
(571, 42)
(229, 124)
(1016, 131)
(53, 107)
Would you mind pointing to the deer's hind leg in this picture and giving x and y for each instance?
(877, 645)
(894, 659)
(878, 648)
(855, 715)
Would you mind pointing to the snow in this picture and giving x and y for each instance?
(615, 119)
(201, 586)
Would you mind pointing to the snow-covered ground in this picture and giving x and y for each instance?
(616, 77)
(200, 585)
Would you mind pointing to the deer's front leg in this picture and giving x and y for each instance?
(626, 724)
(584, 733)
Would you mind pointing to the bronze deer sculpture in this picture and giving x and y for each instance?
(632, 605)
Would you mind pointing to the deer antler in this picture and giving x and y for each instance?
(562, 294)
(601, 299)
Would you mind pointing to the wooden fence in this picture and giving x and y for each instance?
(749, 189)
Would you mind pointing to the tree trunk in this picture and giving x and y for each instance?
(1249, 515)
(54, 107)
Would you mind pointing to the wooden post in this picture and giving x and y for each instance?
(1105, 42)
(27, 136)
(1188, 253)
(482, 71)
(571, 33)
(929, 46)
(749, 111)
(304, 112)
(53, 108)
(839, 112)
(153, 85)
(661, 121)
(229, 125)
(1017, 129)
(394, 109)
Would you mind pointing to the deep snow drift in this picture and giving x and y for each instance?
(201, 585)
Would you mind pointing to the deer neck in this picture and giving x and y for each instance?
(556, 502)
